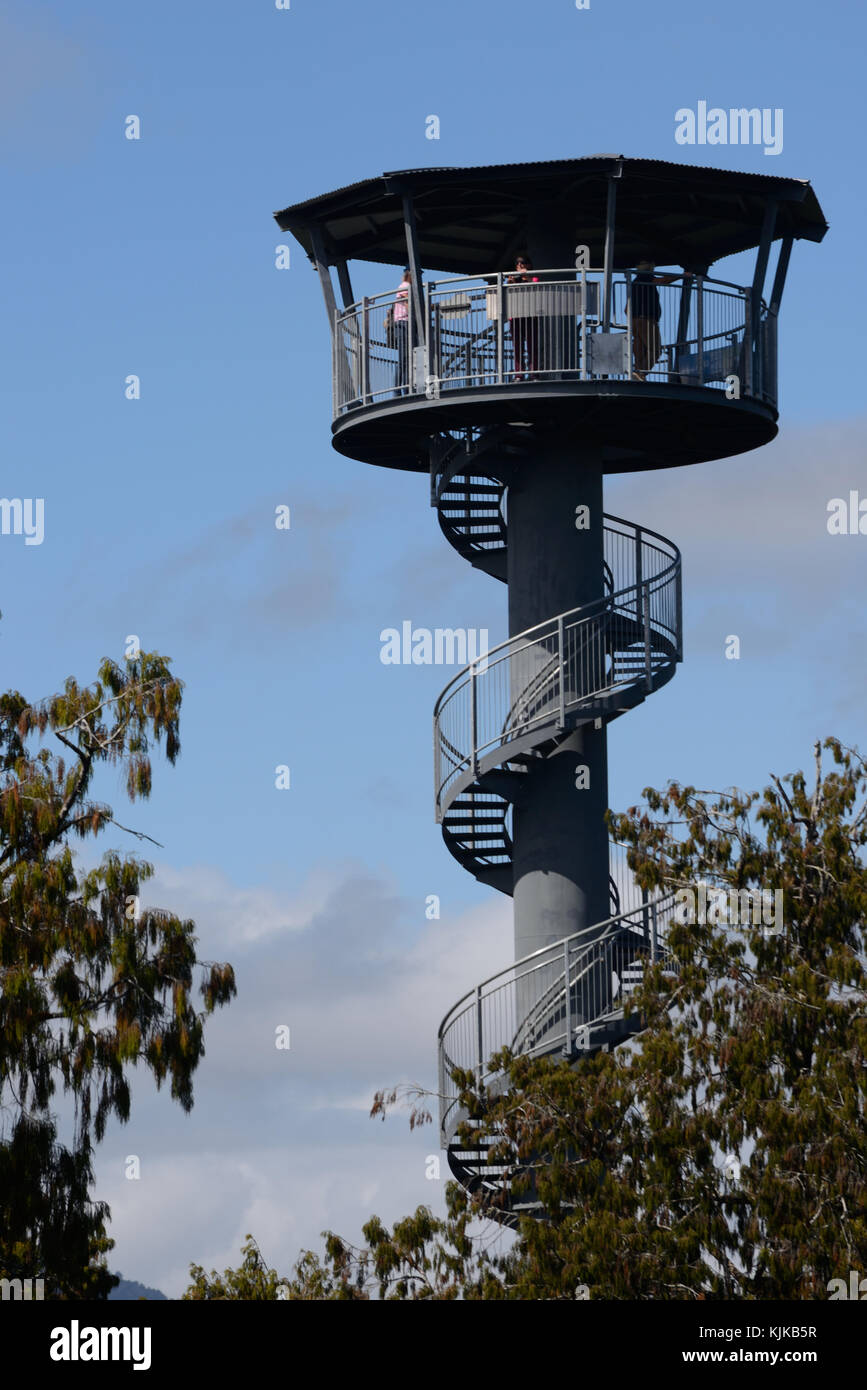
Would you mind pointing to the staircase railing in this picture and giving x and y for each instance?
(546, 673)
(527, 1007)
(473, 326)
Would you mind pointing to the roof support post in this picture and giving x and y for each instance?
(757, 328)
(320, 260)
(610, 206)
(345, 284)
(415, 266)
(683, 318)
(767, 236)
(780, 276)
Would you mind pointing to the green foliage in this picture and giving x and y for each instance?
(253, 1280)
(753, 1044)
(423, 1257)
(88, 985)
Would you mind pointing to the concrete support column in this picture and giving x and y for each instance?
(555, 552)
(547, 245)
(555, 563)
(550, 248)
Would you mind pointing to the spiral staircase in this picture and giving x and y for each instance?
(493, 723)
(498, 440)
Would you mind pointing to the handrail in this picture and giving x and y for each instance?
(510, 714)
(473, 338)
(490, 278)
(589, 612)
(586, 609)
(596, 928)
(562, 1016)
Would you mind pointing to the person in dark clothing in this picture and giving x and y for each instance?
(524, 330)
(646, 313)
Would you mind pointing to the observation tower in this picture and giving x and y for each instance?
(517, 388)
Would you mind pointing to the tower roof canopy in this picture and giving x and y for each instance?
(474, 219)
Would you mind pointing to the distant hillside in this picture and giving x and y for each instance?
(130, 1288)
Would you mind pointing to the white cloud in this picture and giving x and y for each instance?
(231, 916)
(759, 519)
(758, 561)
(279, 1143)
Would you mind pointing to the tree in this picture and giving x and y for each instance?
(416, 1259)
(89, 984)
(252, 1281)
(722, 1152)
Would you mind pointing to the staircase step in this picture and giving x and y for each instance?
(459, 510)
(477, 836)
(468, 809)
(467, 817)
(487, 509)
(470, 490)
(463, 537)
(473, 536)
(470, 503)
(464, 829)
(475, 507)
(480, 844)
(463, 824)
(466, 803)
(466, 824)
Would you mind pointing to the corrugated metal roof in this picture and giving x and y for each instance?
(682, 210)
(526, 164)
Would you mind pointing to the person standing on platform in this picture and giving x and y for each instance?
(401, 332)
(646, 312)
(524, 329)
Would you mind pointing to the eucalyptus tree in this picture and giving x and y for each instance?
(90, 984)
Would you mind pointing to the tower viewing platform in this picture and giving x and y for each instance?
(546, 324)
(462, 358)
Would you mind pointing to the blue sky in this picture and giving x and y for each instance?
(157, 257)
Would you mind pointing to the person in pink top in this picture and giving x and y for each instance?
(524, 331)
(401, 332)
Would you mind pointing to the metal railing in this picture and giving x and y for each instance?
(486, 330)
(549, 1002)
(542, 675)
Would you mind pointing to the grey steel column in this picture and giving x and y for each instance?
(547, 246)
(560, 837)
